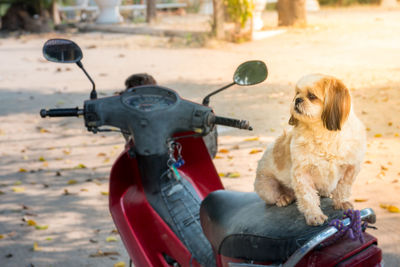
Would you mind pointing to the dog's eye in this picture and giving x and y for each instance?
(311, 96)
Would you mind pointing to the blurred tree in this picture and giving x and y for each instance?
(151, 11)
(29, 15)
(218, 19)
(292, 13)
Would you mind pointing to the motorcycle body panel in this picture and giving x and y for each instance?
(343, 253)
(144, 233)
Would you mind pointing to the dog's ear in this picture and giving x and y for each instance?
(337, 104)
(293, 121)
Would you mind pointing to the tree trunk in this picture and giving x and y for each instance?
(292, 13)
(55, 15)
(151, 11)
(219, 19)
(389, 3)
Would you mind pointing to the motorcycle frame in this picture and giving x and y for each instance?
(144, 233)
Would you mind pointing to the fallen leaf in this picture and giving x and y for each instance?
(396, 135)
(119, 264)
(17, 183)
(101, 154)
(252, 139)
(378, 135)
(31, 222)
(360, 200)
(106, 160)
(104, 193)
(100, 253)
(84, 190)
(22, 170)
(42, 159)
(80, 166)
(72, 181)
(111, 239)
(66, 152)
(1, 236)
(236, 147)
(255, 151)
(234, 175)
(18, 189)
(49, 238)
(221, 174)
(393, 209)
(41, 227)
(43, 130)
(58, 173)
(395, 181)
(390, 123)
(66, 192)
(368, 129)
(2, 192)
(114, 231)
(383, 206)
(223, 150)
(218, 157)
(368, 162)
(45, 164)
(383, 168)
(36, 247)
(13, 233)
(97, 182)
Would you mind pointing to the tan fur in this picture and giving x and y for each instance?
(281, 151)
(320, 156)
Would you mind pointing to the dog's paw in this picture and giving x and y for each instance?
(316, 219)
(284, 200)
(342, 205)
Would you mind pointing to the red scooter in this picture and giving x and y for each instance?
(169, 204)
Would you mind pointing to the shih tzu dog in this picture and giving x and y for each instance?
(320, 156)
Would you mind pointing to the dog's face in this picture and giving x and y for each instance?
(320, 98)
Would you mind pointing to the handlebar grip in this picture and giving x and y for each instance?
(241, 124)
(61, 112)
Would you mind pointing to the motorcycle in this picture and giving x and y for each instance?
(167, 200)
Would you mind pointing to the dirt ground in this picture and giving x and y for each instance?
(54, 173)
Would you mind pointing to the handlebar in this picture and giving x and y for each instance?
(152, 114)
(61, 112)
(240, 124)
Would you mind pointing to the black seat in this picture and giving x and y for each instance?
(241, 225)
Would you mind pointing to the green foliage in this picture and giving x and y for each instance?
(347, 2)
(3, 9)
(34, 6)
(239, 11)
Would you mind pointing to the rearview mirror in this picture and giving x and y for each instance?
(250, 72)
(62, 51)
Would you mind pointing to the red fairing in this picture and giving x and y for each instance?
(145, 235)
(344, 253)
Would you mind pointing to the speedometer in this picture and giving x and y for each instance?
(149, 102)
(150, 98)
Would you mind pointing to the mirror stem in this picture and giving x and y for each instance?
(206, 100)
(93, 93)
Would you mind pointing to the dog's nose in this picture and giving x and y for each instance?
(298, 100)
